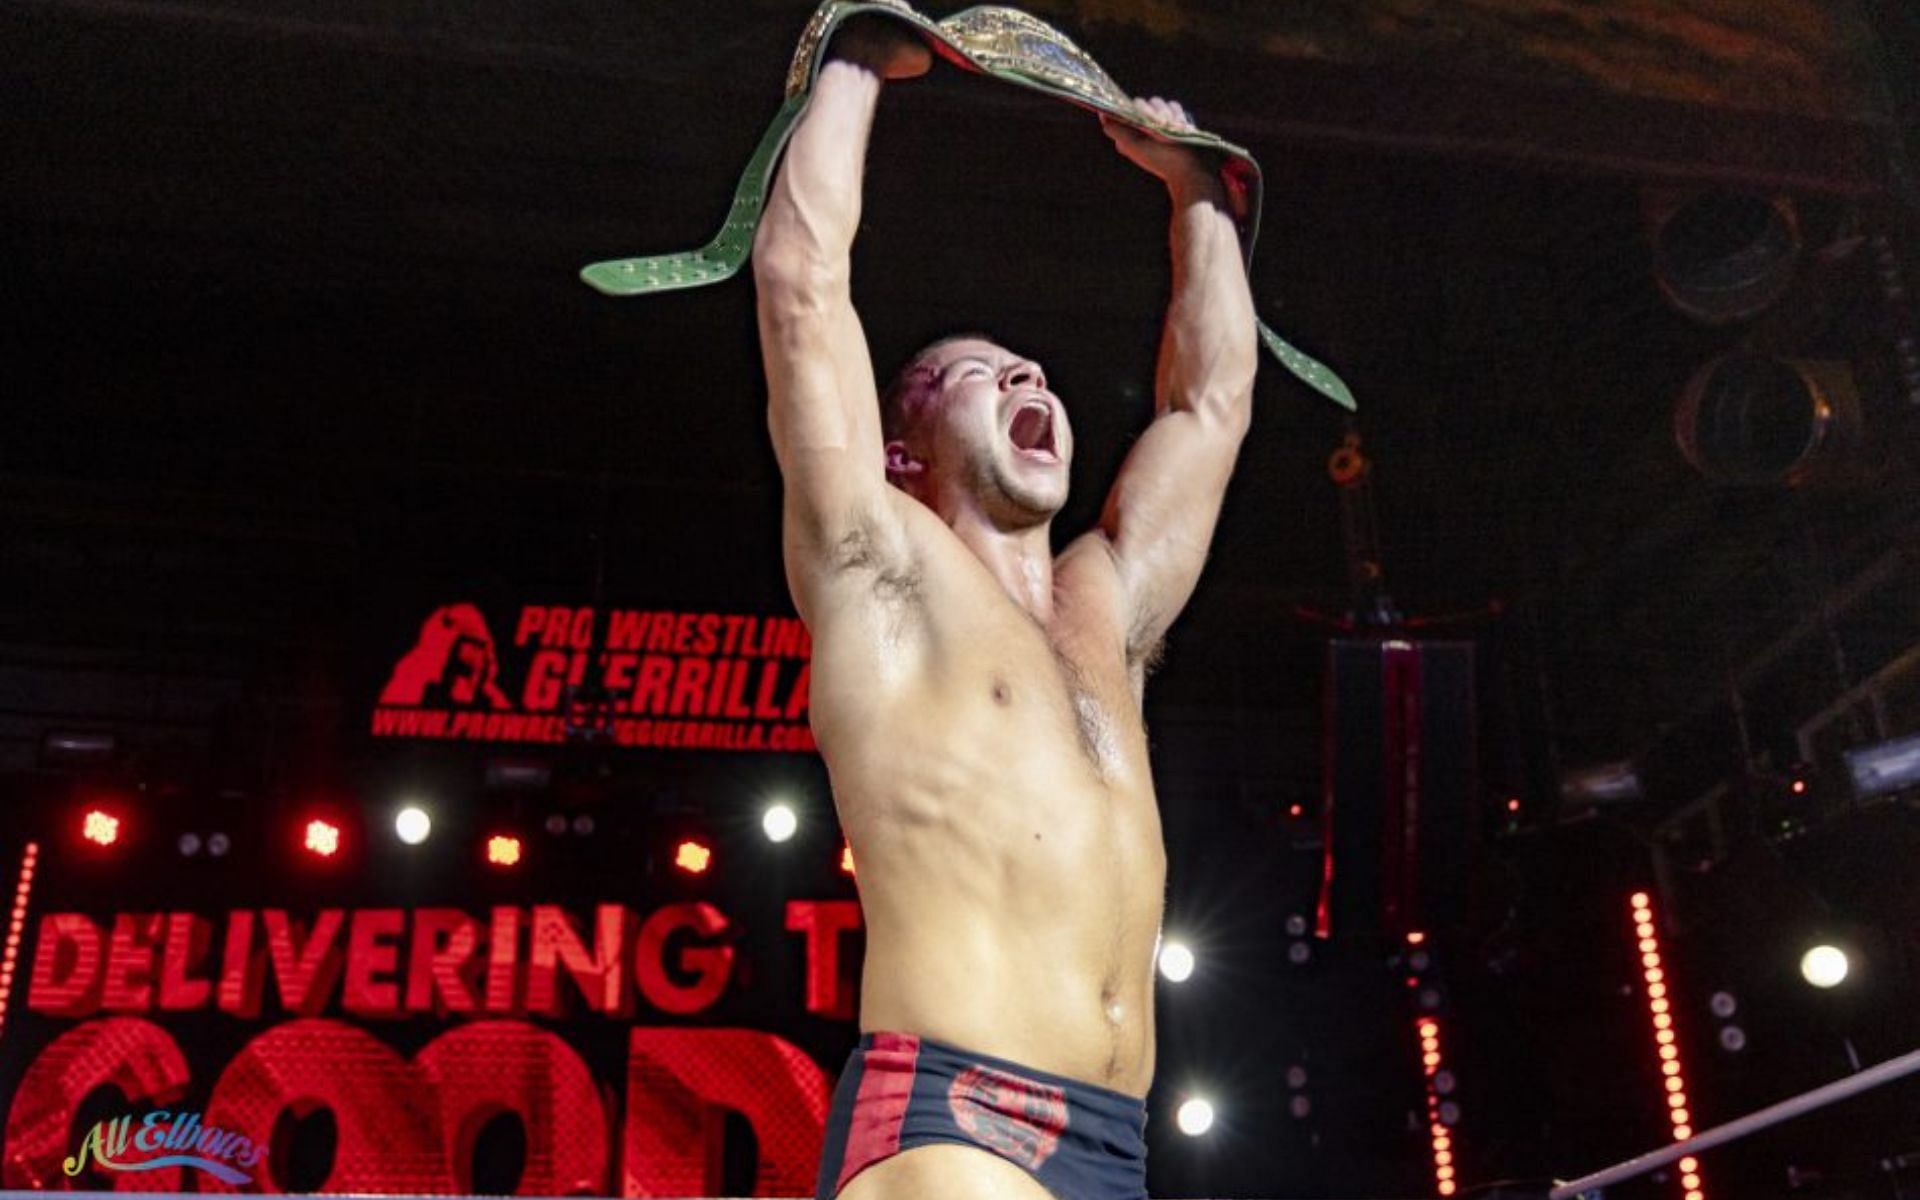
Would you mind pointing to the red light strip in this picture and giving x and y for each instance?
(1430, 1062)
(16, 928)
(1666, 1040)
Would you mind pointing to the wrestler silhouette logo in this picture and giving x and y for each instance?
(453, 665)
(1017, 1118)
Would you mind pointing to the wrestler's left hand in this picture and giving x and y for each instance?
(1168, 161)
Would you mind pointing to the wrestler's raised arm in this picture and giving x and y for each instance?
(822, 406)
(1160, 516)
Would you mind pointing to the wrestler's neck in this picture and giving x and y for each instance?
(1018, 554)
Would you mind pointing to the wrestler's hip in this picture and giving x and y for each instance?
(1076, 1044)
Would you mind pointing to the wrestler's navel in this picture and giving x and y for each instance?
(1002, 694)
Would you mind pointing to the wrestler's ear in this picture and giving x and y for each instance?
(901, 462)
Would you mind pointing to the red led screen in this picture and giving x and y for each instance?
(716, 681)
(414, 1028)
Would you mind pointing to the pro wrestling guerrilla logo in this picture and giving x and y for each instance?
(167, 1139)
(623, 677)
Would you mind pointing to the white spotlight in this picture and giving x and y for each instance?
(412, 825)
(1824, 966)
(1176, 962)
(1195, 1117)
(779, 821)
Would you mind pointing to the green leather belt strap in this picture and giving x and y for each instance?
(1004, 43)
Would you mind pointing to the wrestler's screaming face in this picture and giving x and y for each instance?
(995, 428)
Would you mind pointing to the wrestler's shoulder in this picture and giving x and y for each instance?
(1087, 562)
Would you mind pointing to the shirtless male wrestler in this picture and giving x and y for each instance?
(976, 698)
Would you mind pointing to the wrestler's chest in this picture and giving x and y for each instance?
(1054, 688)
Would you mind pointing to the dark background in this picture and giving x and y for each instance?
(295, 352)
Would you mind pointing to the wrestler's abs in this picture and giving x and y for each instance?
(1007, 842)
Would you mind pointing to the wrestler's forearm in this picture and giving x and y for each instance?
(1208, 350)
(806, 236)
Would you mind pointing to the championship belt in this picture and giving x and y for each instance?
(1005, 44)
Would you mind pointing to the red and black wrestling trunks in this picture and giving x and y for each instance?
(899, 1091)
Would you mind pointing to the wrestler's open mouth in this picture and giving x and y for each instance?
(1032, 431)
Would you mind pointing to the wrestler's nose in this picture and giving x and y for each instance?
(1024, 375)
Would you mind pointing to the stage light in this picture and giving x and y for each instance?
(846, 857)
(1176, 962)
(1415, 937)
(1299, 953)
(583, 826)
(189, 844)
(323, 838)
(1195, 1117)
(1606, 783)
(9, 959)
(779, 822)
(556, 824)
(412, 825)
(1442, 1113)
(1824, 966)
(1513, 804)
(517, 774)
(1723, 1004)
(218, 844)
(74, 747)
(1754, 419)
(1888, 767)
(503, 850)
(692, 856)
(1300, 1108)
(1733, 1039)
(1673, 1081)
(100, 827)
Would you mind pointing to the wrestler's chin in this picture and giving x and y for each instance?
(1039, 501)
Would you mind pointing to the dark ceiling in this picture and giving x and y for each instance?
(297, 344)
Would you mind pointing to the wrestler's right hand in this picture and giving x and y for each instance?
(882, 46)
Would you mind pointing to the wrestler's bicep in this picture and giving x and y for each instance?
(823, 411)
